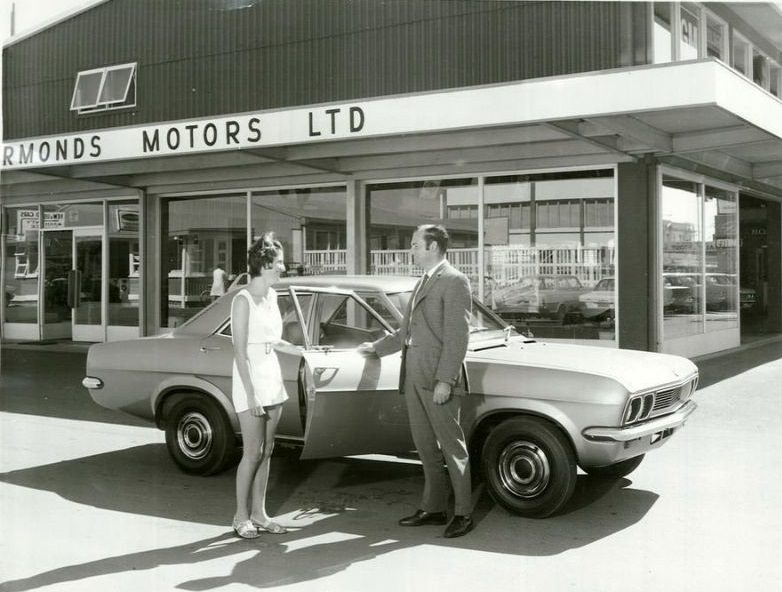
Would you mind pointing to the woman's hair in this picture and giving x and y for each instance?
(263, 253)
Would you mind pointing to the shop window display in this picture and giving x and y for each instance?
(700, 291)
(21, 265)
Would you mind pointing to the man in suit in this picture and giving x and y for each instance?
(433, 338)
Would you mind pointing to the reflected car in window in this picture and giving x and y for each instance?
(534, 412)
(547, 296)
(598, 305)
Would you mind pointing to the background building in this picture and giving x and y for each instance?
(611, 172)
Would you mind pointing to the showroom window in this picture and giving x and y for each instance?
(551, 268)
(548, 253)
(309, 222)
(699, 258)
(204, 241)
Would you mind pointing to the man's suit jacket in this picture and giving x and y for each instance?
(437, 324)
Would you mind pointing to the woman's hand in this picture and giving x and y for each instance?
(258, 411)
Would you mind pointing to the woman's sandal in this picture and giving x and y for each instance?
(270, 527)
(245, 529)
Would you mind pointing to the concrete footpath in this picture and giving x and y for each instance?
(89, 500)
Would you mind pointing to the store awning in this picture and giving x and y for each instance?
(700, 114)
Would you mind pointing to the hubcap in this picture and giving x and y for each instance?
(524, 469)
(194, 434)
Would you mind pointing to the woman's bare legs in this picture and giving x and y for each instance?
(253, 438)
(260, 484)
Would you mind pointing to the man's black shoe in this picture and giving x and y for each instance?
(459, 526)
(421, 518)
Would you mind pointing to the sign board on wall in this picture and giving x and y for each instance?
(30, 220)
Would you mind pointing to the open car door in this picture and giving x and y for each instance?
(353, 405)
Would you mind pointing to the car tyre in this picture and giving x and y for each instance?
(529, 466)
(199, 437)
(616, 470)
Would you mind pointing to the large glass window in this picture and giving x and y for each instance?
(550, 266)
(21, 264)
(204, 241)
(124, 264)
(700, 288)
(310, 223)
(396, 209)
(716, 38)
(721, 269)
(682, 258)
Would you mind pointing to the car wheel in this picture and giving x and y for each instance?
(616, 470)
(199, 436)
(529, 467)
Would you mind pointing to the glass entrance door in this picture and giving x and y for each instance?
(87, 274)
(55, 312)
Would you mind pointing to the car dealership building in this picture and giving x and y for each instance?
(609, 172)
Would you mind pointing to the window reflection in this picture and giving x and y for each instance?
(124, 264)
(722, 290)
(682, 258)
(205, 240)
(397, 209)
(21, 265)
(309, 222)
(550, 253)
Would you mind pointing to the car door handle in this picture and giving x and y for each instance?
(208, 348)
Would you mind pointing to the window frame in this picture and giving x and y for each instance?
(103, 105)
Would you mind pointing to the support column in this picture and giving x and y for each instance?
(637, 255)
(150, 257)
(357, 231)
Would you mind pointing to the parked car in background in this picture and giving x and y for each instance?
(599, 304)
(534, 411)
(680, 294)
(546, 296)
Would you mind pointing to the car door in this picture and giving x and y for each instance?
(353, 402)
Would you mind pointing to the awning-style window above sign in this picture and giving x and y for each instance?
(104, 88)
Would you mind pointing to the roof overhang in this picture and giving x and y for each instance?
(701, 114)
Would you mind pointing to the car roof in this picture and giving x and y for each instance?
(383, 283)
(217, 313)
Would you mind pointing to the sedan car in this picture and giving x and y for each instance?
(547, 296)
(598, 305)
(534, 411)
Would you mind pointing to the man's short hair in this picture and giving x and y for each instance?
(435, 233)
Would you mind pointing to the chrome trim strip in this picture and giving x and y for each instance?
(647, 428)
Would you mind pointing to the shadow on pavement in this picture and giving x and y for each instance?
(718, 367)
(48, 384)
(359, 502)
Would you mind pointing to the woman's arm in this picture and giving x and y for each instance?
(240, 318)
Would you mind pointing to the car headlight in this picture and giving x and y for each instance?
(638, 408)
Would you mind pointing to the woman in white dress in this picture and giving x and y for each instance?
(258, 391)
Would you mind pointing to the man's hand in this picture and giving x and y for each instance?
(442, 393)
(366, 349)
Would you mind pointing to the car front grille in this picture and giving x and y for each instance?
(670, 397)
(653, 404)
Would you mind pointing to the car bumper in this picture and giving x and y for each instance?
(642, 430)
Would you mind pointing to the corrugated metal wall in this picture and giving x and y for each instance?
(208, 57)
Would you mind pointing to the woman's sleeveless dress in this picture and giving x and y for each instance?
(264, 329)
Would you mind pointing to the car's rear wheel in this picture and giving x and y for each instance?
(616, 470)
(529, 466)
(199, 436)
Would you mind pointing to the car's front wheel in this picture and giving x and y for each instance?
(199, 436)
(529, 466)
(616, 470)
